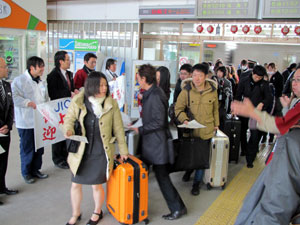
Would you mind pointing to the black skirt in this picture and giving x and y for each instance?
(92, 168)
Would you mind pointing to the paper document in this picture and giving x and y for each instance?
(3, 135)
(137, 124)
(126, 120)
(78, 138)
(192, 125)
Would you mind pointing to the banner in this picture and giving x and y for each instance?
(49, 117)
(117, 90)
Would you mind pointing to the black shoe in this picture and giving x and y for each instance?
(78, 219)
(196, 189)
(187, 175)
(9, 192)
(1, 203)
(62, 165)
(250, 165)
(40, 175)
(92, 222)
(175, 215)
(29, 179)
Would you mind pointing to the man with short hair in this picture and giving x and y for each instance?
(6, 122)
(185, 72)
(60, 85)
(89, 61)
(257, 90)
(243, 67)
(28, 91)
(111, 67)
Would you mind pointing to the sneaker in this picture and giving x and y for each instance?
(40, 175)
(29, 179)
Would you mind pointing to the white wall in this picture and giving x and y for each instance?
(104, 10)
(38, 8)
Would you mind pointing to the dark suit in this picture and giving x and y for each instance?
(58, 88)
(6, 118)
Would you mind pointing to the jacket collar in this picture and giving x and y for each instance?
(79, 101)
(149, 91)
(210, 85)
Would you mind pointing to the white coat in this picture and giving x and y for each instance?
(25, 90)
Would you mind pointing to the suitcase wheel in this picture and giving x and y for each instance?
(209, 187)
(146, 221)
(224, 185)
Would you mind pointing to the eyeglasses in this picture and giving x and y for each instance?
(297, 80)
(183, 73)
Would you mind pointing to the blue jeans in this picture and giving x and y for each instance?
(198, 176)
(31, 160)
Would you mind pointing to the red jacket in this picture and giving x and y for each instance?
(80, 78)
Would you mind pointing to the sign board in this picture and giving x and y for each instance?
(281, 9)
(78, 44)
(227, 9)
(49, 117)
(172, 12)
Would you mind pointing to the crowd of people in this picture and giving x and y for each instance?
(209, 91)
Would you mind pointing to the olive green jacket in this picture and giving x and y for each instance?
(110, 123)
(204, 106)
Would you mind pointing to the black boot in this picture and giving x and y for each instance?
(196, 188)
(187, 175)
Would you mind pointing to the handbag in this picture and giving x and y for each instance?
(72, 146)
(191, 153)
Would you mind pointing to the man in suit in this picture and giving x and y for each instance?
(60, 85)
(6, 122)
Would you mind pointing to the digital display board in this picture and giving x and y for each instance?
(227, 9)
(172, 12)
(281, 9)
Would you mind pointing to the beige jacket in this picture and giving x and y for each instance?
(110, 123)
(204, 107)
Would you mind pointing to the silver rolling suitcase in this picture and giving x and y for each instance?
(216, 175)
(132, 140)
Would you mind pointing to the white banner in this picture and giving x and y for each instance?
(49, 117)
(117, 90)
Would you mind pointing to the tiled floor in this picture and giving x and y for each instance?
(47, 202)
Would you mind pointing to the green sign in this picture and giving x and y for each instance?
(9, 57)
(86, 45)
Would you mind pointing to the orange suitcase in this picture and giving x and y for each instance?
(127, 191)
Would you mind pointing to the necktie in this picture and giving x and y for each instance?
(68, 81)
(2, 93)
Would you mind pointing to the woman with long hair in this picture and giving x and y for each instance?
(100, 118)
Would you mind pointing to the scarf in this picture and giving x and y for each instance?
(97, 105)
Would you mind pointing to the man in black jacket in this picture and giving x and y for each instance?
(276, 79)
(6, 122)
(288, 71)
(154, 139)
(257, 90)
(60, 85)
(184, 73)
(224, 95)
